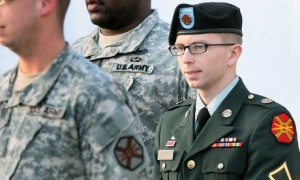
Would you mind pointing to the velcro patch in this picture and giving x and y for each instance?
(283, 128)
(281, 172)
(129, 153)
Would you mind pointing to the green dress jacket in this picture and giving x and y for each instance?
(247, 137)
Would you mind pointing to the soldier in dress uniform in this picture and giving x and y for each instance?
(131, 45)
(226, 132)
(60, 116)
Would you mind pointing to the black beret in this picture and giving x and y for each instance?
(211, 17)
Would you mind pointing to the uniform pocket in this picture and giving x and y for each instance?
(224, 163)
(16, 144)
(169, 168)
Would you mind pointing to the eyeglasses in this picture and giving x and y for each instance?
(178, 50)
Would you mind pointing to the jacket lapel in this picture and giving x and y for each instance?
(219, 125)
(184, 133)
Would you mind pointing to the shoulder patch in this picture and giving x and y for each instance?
(283, 128)
(129, 153)
(281, 172)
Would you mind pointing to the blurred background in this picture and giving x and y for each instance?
(271, 56)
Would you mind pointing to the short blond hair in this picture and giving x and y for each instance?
(231, 38)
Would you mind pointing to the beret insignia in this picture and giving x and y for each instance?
(283, 128)
(187, 18)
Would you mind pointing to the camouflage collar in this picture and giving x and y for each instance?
(6, 85)
(89, 47)
(38, 89)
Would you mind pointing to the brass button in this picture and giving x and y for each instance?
(220, 166)
(191, 164)
(163, 166)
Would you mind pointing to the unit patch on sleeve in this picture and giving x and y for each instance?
(283, 128)
(280, 173)
(129, 153)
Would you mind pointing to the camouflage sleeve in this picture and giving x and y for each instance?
(111, 146)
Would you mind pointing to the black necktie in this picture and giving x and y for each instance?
(202, 118)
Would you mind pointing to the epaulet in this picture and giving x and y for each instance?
(186, 102)
(259, 100)
(282, 125)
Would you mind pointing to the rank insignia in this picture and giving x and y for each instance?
(227, 142)
(129, 153)
(283, 128)
(280, 173)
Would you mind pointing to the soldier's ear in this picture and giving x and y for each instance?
(234, 54)
(47, 6)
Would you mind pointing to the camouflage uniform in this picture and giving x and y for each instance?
(72, 122)
(142, 63)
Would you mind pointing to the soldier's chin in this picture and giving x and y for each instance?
(192, 84)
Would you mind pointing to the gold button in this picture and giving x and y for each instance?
(191, 164)
(163, 166)
(220, 166)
